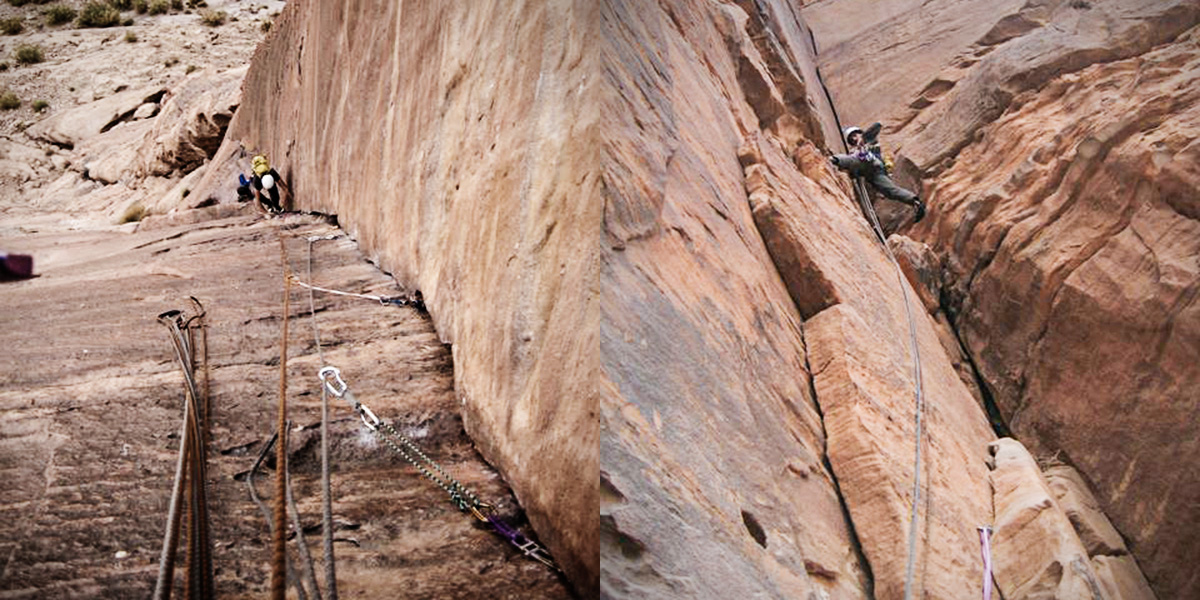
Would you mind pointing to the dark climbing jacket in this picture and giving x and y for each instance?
(867, 161)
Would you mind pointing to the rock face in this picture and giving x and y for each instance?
(456, 143)
(621, 219)
(683, 299)
(1055, 141)
(91, 399)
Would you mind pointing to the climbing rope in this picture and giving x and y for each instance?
(326, 482)
(460, 496)
(191, 468)
(266, 512)
(918, 391)
(279, 515)
(385, 300)
(864, 200)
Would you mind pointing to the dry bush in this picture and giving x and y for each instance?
(59, 14)
(213, 18)
(9, 101)
(28, 54)
(98, 14)
(12, 26)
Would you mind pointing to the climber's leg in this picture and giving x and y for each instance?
(884, 184)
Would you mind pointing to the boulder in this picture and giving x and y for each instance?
(71, 126)
(192, 122)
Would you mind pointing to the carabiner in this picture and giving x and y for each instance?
(337, 390)
(368, 418)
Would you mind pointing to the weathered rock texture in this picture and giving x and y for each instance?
(619, 279)
(619, 216)
(455, 141)
(90, 406)
(1056, 141)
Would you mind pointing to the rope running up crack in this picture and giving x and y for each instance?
(860, 192)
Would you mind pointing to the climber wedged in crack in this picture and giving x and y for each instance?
(866, 160)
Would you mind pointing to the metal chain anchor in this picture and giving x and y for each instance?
(462, 497)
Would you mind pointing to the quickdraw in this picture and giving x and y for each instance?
(461, 496)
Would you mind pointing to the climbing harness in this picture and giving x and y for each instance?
(860, 192)
(191, 468)
(460, 496)
(985, 541)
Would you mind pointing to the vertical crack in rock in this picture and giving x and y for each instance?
(868, 576)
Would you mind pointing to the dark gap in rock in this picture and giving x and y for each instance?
(755, 530)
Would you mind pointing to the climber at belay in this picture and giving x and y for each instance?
(866, 160)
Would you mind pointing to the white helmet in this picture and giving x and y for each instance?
(268, 182)
(850, 131)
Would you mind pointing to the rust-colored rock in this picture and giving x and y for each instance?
(456, 142)
(1055, 141)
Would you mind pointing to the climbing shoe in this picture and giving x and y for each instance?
(919, 209)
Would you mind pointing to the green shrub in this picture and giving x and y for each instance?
(140, 6)
(213, 18)
(177, 4)
(9, 101)
(11, 26)
(197, 4)
(59, 14)
(40, 105)
(27, 54)
(98, 14)
(265, 27)
(130, 37)
(121, 4)
(3, 67)
(158, 7)
(190, 69)
(24, 2)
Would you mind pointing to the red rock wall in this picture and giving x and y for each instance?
(620, 218)
(1056, 142)
(454, 141)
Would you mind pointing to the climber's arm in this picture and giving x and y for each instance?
(872, 133)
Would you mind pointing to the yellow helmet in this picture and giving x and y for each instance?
(260, 165)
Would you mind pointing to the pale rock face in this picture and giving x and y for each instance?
(1036, 553)
(192, 122)
(71, 126)
(1055, 141)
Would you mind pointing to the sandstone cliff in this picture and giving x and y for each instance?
(621, 219)
(1056, 142)
(455, 142)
